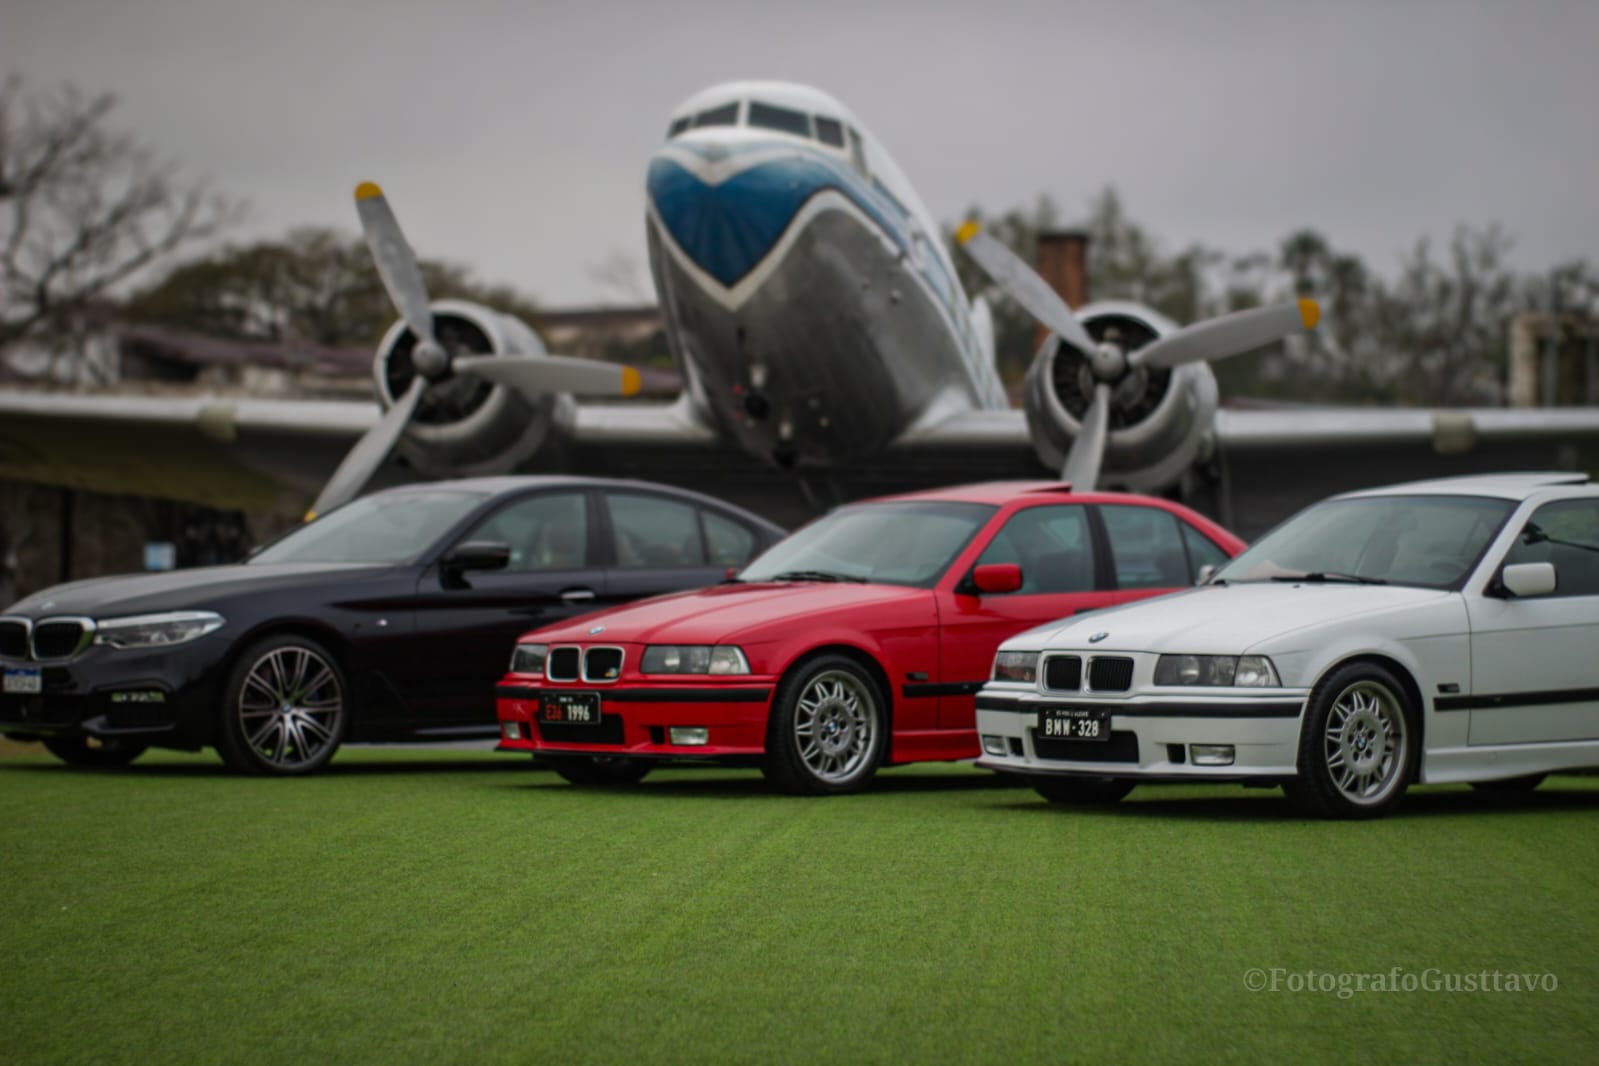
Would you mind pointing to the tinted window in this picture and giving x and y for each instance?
(544, 532)
(1051, 545)
(830, 131)
(654, 531)
(375, 529)
(779, 118)
(1566, 534)
(677, 126)
(726, 115)
(1147, 547)
(898, 543)
(1432, 541)
(1202, 551)
(730, 543)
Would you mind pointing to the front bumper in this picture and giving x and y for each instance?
(1152, 736)
(164, 696)
(637, 719)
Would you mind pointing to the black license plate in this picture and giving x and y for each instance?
(1073, 723)
(570, 708)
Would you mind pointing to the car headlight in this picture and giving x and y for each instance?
(156, 630)
(529, 658)
(1016, 666)
(693, 659)
(1248, 671)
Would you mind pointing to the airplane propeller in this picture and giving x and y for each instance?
(531, 375)
(1216, 338)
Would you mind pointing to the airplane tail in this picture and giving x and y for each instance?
(983, 326)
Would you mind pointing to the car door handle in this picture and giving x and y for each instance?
(577, 595)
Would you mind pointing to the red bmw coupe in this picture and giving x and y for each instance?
(857, 642)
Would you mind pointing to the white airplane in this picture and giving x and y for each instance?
(818, 326)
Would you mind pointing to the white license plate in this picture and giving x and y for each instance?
(23, 680)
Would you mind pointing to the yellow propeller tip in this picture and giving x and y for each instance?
(967, 231)
(310, 516)
(367, 189)
(1310, 313)
(631, 381)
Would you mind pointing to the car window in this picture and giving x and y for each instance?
(383, 528)
(730, 543)
(1565, 533)
(1147, 547)
(544, 532)
(1202, 551)
(654, 531)
(1051, 545)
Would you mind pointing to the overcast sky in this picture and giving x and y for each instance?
(513, 136)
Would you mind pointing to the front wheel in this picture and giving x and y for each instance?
(284, 709)
(600, 769)
(1080, 791)
(79, 750)
(828, 730)
(1358, 748)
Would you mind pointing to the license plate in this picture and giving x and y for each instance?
(570, 708)
(24, 680)
(1073, 723)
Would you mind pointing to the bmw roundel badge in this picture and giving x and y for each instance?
(596, 629)
(1097, 637)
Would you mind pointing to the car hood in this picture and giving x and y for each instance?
(1225, 619)
(726, 613)
(177, 590)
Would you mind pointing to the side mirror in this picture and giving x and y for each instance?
(477, 555)
(1206, 572)
(997, 577)
(1528, 579)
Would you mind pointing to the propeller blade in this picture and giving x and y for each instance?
(1022, 284)
(1088, 450)
(536, 375)
(395, 261)
(369, 452)
(1218, 338)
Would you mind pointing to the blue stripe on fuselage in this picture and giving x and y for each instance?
(729, 227)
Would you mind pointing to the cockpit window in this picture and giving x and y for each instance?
(830, 131)
(779, 118)
(857, 154)
(726, 115)
(678, 126)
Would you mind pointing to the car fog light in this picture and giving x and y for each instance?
(994, 745)
(513, 731)
(689, 735)
(1211, 754)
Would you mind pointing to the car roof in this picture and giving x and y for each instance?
(1512, 486)
(508, 483)
(1003, 492)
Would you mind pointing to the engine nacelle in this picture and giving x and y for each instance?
(1159, 419)
(465, 426)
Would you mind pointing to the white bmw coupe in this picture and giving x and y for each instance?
(1437, 631)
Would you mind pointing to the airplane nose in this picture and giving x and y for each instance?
(727, 226)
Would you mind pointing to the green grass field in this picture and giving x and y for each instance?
(462, 907)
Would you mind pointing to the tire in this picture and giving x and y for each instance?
(600, 769)
(285, 708)
(1359, 746)
(1080, 791)
(1510, 786)
(828, 731)
(76, 750)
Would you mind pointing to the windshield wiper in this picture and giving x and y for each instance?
(815, 575)
(1321, 576)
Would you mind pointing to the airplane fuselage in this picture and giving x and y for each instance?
(809, 302)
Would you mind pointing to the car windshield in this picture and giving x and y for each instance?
(1430, 541)
(891, 543)
(375, 529)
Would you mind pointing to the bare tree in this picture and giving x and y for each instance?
(88, 209)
